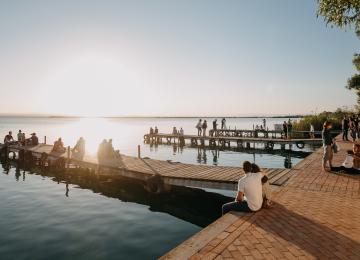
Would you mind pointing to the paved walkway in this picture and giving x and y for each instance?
(315, 216)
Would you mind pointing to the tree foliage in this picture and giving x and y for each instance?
(344, 13)
(341, 13)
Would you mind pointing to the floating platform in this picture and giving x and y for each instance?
(166, 172)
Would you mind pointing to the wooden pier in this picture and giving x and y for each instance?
(156, 171)
(229, 141)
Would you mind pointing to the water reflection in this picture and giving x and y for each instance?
(192, 205)
(207, 155)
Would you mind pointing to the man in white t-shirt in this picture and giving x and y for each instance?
(250, 192)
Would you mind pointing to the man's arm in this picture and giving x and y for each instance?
(240, 196)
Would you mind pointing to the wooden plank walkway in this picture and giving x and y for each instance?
(315, 216)
(173, 173)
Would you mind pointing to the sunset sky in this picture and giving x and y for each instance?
(171, 58)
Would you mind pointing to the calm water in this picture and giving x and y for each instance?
(60, 217)
(55, 216)
(127, 133)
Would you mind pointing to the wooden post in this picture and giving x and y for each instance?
(68, 156)
(139, 152)
(45, 139)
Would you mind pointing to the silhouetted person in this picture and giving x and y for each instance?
(33, 140)
(345, 128)
(8, 138)
(204, 126)
(79, 149)
(199, 126)
(223, 123)
(58, 146)
(285, 130)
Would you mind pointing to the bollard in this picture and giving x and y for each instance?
(139, 152)
(68, 156)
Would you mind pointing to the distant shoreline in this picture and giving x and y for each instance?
(120, 117)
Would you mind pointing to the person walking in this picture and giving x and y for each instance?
(199, 126)
(204, 126)
(327, 145)
(345, 128)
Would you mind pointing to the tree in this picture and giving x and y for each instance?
(341, 13)
(344, 13)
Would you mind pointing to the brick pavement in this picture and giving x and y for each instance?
(315, 216)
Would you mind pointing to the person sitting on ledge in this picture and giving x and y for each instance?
(351, 165)
(8, 138)
(79, 148)
(33, 140)
(58, 146)
(250, 195)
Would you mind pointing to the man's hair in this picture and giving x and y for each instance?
(255, 168)
(247, 166)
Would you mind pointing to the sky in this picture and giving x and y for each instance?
(172, 58)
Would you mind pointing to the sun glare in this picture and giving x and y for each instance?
(92, 85)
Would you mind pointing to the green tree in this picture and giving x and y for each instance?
(344, 13)
(341, 13)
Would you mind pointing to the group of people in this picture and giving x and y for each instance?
(201, 126)
(106, 150)
(350, 125)
(21, 139)
(352, 160)
(154, 131)
(177, 132)
(287, 129)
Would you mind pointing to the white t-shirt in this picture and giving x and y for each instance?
(251, 186)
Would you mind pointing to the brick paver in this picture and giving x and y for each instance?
(316, 215)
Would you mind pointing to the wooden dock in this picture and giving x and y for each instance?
(229, 141)
(164, 172)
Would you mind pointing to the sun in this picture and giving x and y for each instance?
(91, 85)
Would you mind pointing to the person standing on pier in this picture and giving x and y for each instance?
(199, 126)
(312, 131)
(345, 128)
(223, 124)
(285, 129)
(289, 129)
(327, 145)
(215, 124)
(352, 129)
(204, 126)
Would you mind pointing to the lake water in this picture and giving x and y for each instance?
(127, 133)
(55, 216)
